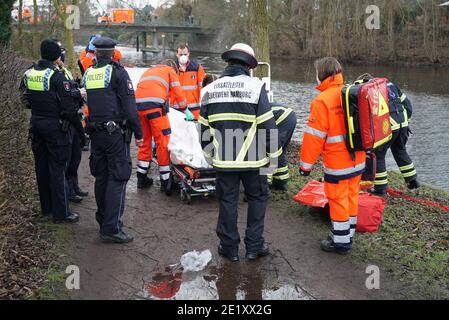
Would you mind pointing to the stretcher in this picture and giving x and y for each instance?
(192, 182)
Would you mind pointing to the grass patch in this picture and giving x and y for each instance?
(412, 243)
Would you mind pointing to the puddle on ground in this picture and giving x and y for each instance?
(241, 281)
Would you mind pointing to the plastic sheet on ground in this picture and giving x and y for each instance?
(371, 207)
(195, 261)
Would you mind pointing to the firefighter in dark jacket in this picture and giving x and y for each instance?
(239, 136)
(286, 121)
(401, 111)
(112, 119)
(53, 112)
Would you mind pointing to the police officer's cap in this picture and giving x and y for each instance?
(241, 52)
(104, 43)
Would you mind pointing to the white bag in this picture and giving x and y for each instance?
(185, 147)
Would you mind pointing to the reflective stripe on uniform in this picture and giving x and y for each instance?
(336, 139)
(232, 117)
(155, 78)
(286, 113)
(265, 117)
(281, 177)
(381, 182)
(276, 154)
(382, 175)
(149, 99)
(340, 226)
(175, 84)
(410, 174)
(316, 133)
(344, 172)
(240, 165)
(190, 88)
(305, 165)
(408, 167)
(193, 105)
(403, 97)
(203, 121)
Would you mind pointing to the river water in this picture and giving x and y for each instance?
(427, 88)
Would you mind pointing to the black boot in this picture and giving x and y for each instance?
(164, 185)
(71, 218)
(80, 192)
(230, 256)
(119, 238)
(143, 182)
(329, 246)
(262, 252)
(413, 185)
(73, 197)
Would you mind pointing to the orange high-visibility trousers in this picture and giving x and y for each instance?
(344, 208)
(154, 125)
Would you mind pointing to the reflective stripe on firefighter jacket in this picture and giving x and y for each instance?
(238, 129)
(326, 134)
(156, 86)
(286, 122)
(400, 107)
(192, 82)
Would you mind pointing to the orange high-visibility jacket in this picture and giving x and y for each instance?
(326, 134)
(192, 82)
(155, 87)
(86, 60)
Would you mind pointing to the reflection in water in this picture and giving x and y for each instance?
(231, 282)
(426, 87)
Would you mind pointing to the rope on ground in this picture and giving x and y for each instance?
(399, 194)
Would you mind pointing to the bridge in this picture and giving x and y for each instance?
(142, 31)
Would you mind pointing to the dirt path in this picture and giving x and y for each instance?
(165, 229)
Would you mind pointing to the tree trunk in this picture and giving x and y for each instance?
(35, 30)
(71, 60)
(260, 40)
(19, 24)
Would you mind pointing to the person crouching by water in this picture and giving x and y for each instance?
(325, 135)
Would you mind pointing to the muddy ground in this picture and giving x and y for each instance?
(166, 228)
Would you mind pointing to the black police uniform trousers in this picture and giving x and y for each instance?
(74, 163)
(110, 164)
(398, 145)
(286, 130)
(51, 149)
(228, 190)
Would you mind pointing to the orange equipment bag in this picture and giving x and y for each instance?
(370, 207)
(367, 115)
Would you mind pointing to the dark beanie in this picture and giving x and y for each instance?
(50, 50)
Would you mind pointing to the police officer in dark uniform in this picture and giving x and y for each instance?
(286, 121)
(112, 119)
(76, 195)
(53, 111)
(401, 111)
(237, 123)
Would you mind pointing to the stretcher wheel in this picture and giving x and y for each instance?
(185, 197)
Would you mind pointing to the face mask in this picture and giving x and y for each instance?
(183, 59)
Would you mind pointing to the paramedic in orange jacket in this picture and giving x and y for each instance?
(191, 76)
(152, 96)
(325, 135)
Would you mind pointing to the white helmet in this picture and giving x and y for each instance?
(241, 52)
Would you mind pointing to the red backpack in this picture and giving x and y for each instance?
(367, 115)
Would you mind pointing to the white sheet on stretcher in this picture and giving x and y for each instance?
(185, 147)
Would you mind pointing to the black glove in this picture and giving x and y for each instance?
(304, 173)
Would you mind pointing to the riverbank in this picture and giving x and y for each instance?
(412, 244)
